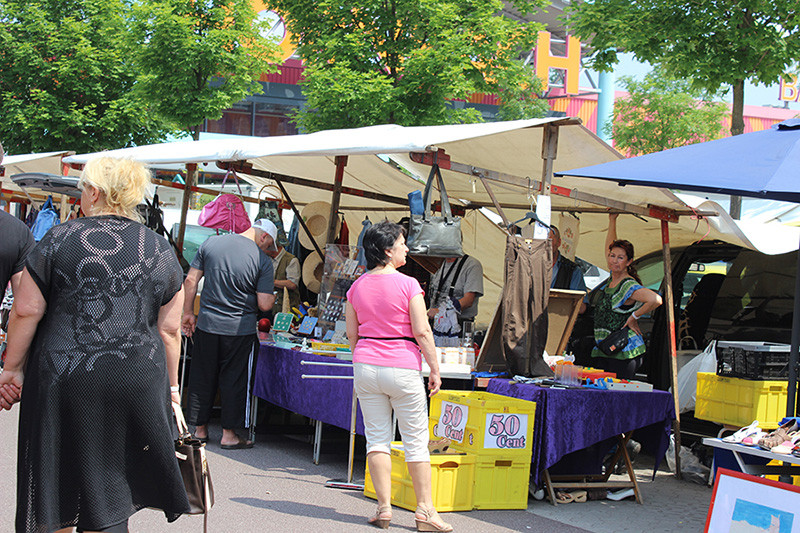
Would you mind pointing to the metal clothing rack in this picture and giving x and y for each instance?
(335, 483)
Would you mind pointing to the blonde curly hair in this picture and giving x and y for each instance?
(124, 183)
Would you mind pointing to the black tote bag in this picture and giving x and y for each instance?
(431, 235)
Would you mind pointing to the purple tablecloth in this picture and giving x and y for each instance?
(568, 420)
(278, 381)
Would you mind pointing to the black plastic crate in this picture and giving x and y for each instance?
(752, 360)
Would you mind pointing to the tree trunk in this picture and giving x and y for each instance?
(737, 109)
(737, 128)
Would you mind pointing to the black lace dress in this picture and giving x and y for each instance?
(96, 440)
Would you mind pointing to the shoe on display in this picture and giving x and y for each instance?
(743, 433)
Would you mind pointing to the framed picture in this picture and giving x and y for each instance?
(745, 503)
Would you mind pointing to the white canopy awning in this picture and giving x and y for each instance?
(379, 161)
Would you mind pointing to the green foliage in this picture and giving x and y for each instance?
(198, 58)
(65, 80)
(661, 112)
(715, 44)
(400, 61)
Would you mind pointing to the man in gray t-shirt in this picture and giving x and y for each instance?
(466, 281)
(238, 283)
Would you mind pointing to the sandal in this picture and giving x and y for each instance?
(786, 447)
(431, 521)
(564, 497)
(439, 446)
(752, 440)
(779, 436)
(746, 431)
(380, 519)
(579, 496)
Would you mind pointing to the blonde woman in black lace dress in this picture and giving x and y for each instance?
(93, 350)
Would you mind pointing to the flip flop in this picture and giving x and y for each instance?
(204, 440)
(241, 445)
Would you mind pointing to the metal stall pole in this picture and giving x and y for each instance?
(334, 483)
(673, 354)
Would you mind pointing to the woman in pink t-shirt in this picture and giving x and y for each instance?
(387, 326)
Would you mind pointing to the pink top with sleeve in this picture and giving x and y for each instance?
(381, 302)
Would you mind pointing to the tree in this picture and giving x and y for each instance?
(199, 57)
(66, 82)
(661, 112)
(715, 44)
(407, 61)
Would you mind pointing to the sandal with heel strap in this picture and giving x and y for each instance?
(779, 436)
(786, 447)
(432, 520)
(380, 519)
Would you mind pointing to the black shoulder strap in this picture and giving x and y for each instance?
(455, 276)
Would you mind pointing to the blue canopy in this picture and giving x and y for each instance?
(763, 164)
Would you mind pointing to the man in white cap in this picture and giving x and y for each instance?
(285, 266)
(238, 283)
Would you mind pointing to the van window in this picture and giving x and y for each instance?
(756, 295)
(651, 270)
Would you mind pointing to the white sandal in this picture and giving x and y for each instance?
(740, 434)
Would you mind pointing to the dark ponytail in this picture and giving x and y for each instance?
(628, 247)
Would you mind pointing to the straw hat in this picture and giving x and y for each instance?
(313, 267)
(316, 216)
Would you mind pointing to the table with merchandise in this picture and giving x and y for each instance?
(570, 420)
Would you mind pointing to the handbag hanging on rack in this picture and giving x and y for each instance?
(226, 211)
(191, 454)
(431, 235)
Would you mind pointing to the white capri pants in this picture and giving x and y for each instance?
(383, 388)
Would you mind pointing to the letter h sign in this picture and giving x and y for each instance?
(571, 63)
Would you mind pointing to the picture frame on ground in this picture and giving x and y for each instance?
(742, 503)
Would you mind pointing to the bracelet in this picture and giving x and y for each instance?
(175, 388)
(634, 316)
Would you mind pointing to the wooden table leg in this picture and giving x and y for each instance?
(548, 484)
(623, 441)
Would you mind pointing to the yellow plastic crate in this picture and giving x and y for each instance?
(483, 423)
(795, 478)
(737, 402)
(452, 480)
(501, 482)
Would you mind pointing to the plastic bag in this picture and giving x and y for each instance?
(691, 467)
(705, 361)
(445, 325)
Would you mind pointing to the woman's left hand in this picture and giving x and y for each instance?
(633, 324)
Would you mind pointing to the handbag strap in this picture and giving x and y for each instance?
(236, 179)
(459, 264)
(426, 197)
(183, 427)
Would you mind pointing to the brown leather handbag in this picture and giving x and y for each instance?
(191, 454)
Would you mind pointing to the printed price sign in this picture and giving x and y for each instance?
(506, 431)
(452, 421)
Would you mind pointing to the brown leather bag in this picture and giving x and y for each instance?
(191, 454)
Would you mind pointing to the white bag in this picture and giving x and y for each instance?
(705, 361)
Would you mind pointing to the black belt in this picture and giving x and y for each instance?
(409, 339)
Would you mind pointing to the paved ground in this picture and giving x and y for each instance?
(275, 487)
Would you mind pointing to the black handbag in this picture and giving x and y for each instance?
(191, 454)
(615, 342)
(435, 236)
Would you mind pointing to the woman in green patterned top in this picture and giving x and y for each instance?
(619, 302)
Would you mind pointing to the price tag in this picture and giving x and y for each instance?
(452, 421)
(506, 431)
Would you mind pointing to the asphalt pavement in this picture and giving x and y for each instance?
(275, 487)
